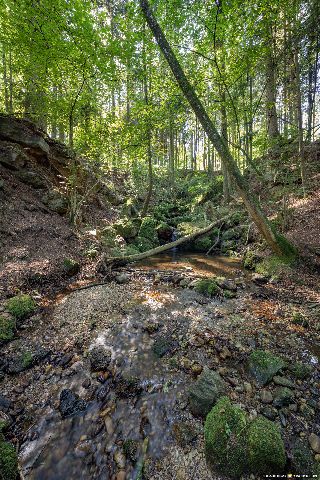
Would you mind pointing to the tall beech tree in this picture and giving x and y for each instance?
(277, 243)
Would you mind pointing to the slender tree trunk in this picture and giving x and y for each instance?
(278, 244)
(5, 80)
(224, 133)
(271, 113)
(299, 117)
(148, 134)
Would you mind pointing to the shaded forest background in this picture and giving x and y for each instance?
(90, 75)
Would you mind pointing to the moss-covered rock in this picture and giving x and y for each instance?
(202, 244)
(263, 365)
(300, 370)
(108, 236)
(71, 267)
(143, 244)
(205, 392)
(251, 259)
(302, 460)
(148, 230)
(283, 396)
(8, 460)
(207, 287)
(56, 202)
(223, 433)
(7, 327)
(126, 229)
(265, 448)
(21, 306)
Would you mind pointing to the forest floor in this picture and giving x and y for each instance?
(126, 352)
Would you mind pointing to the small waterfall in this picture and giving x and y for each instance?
(174, 250)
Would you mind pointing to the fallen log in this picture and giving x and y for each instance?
(120, 261)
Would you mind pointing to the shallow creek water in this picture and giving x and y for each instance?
(87, 445)
(142, 397)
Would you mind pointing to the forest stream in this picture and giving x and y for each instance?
(117, 401)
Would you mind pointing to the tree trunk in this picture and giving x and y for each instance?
(224, 133)
(278, 244)
(118, 261)
(271, 113)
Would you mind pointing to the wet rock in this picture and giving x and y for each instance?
(263, 365)
(269, 412)
(163, 345)
(314, 441)
(184, 434)
(205, 392)
(283, 381)
(5, 404)
(266, 396)
(70, 403)
(283, 396)
(100, 358)
(128, 386)
(122, 278)
(226, 284)
(151, 326)
(26, 360)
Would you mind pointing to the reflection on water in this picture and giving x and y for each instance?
(197, 263)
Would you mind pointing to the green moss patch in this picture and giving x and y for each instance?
(223, 433)
(21, 306)
(235, 446)
(202, 244)
(263, 365)
(300, 370)
(6, 329)
(207, 287)
(148, 230)
(8, 461)
(265, 448)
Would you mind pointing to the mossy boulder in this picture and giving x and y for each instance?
(108, 236)
(205, 392)
(251, 259)
(265, 447)
(71, 267)
(223, 432)
(8, 460)
(207, 287)
(300, 370)
(283, 396)
(302, 458)
(263, 365)
(56, 202)
(7, 327)
(202, 244)
(234, 446)
(21, 306)
(148, 230)
(143, 244)
(126, 229)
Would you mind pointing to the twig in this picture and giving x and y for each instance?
(216, 242)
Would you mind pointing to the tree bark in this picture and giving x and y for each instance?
(278, 244)
(271, 114)
(118, 261)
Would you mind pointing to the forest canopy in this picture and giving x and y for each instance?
(90, 74)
